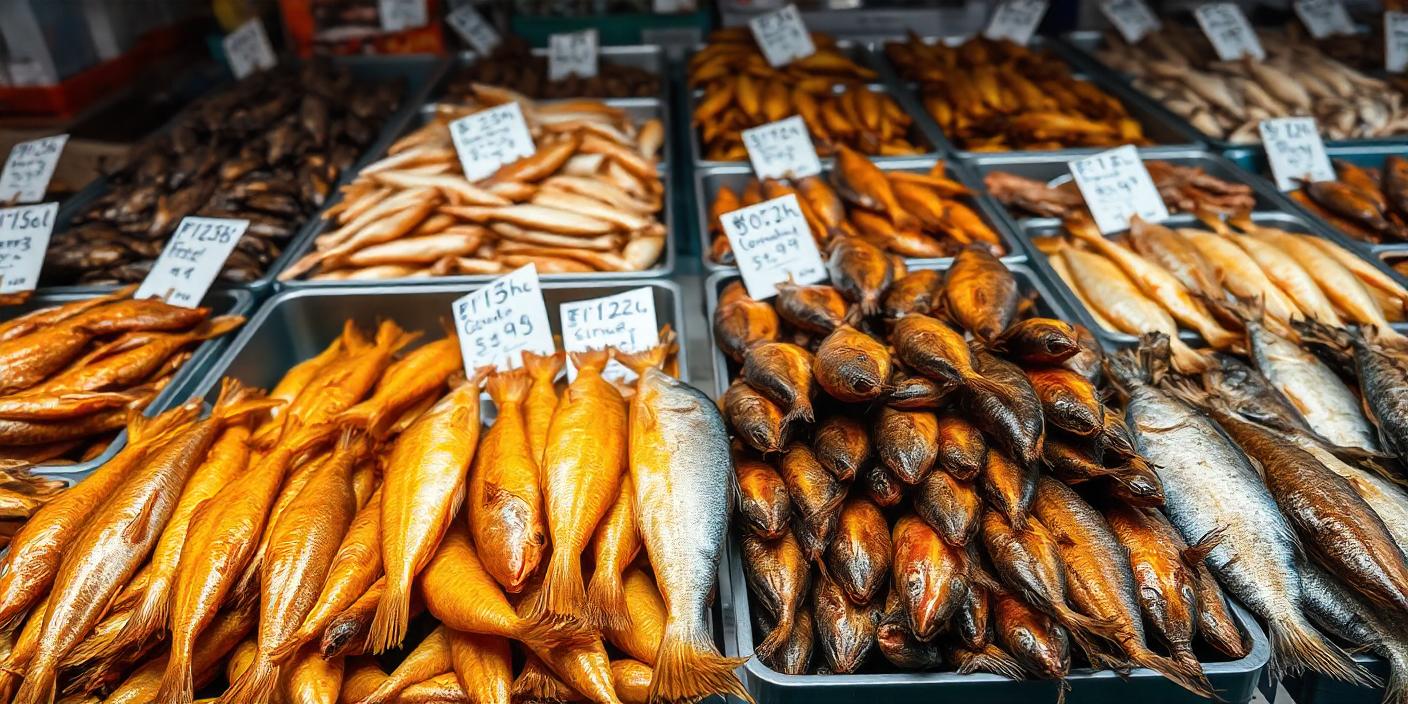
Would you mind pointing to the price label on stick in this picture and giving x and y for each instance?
(1395, 41)
(572, 54)
(1116, 187)
(782, 149)
(397, 15)
(625, 321)
(1229, 31)
(1132, 18)
(488, 139)
(782, 36)
(29, 168)
(1324, 18)
(1015, 20)
(1296, 152)
(772, 241)
(192, 259)
(474, 29)
(248, 49)
(24, 238)
(500, 321)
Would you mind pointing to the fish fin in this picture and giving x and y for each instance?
(1296, 646)
(217, 326)
(256, 685)
(141, 525)
(992, 660)
(594, 360)
(606, 601)
(688, 667)
(776, 638)
(509, 387)
(147, 619)
(536, 683)
(388, 628)
(543, 366)
(1187, 675)
(800, 411)
(639, 362)
(562, 596)
(1194, 554)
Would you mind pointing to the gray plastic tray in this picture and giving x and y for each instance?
(708, 181)
(1317, 689)
(221, 302)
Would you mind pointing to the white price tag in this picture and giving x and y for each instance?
(1395, 41)
(572, 54)
(397, 15)
(24, 238)
(1324, 18)
(248, 49)
(625, 321)
(782, 149)
(192, 260)
(1116, 186)
(1015, 20)
(1132, 18)
(1229, 31)
(500, 321)
(782, 36)
(29, 169)
(488, 139)
(772, 241)
(1296, 152)
(474, 29)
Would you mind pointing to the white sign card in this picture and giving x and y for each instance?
(1395, 41)
(503, 319)
(474, 29)
(782, 149)
(625, 321)
(397, 15)
(1116, 186)
(29, 168)
(1132, 18)
(192, 260)
(1324, 18)
(1015, 20)
(773, 242)
(1295, 151)
(1229, 31)
(248, 49)
(24, 239)
(572, 54)
(488, 139)
(782, 36)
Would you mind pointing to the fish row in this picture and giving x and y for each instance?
(920, 215)
(73, 373)
(289, 535)
(989, 95)
(1184, 189)
(21, 494)
(513, 65)
(268, 150)
(1367, 204)
(587, 200)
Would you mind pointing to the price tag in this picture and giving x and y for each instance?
(782, 149)
(1296, 153)
(1395, 41)
(1132, 18)
(24, 238)
(488, 139)
(772, 241)
(782, 36)
(397, 15)
(192, 260)
(1229, 31)
(625, 321)
(572, 54)
(1015, 20)
(1324, 18)
(29, 169)
(248, 49)
(474, 29)
(498, 322)
(1116, 186)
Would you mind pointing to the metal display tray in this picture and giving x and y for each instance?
(221, 302)
(708, 181)
(650, 58)
(1236, 680)
(420, 74)
(1160, 125)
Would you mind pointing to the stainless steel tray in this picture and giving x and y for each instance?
(649, 58)
(221, 302)
(708, 181)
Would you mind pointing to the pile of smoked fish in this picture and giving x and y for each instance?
(828, 90)
(268, 150)
(991, 95)
(513, 66)
(1212, 281)
(74, 373)
(588, 200)
(284, 539)
(1183, 188)
(919, 215)
(1227, 99)
(952, 504)
(21, 494)
(1368, 204)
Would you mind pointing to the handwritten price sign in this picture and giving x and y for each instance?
(572, 54)
(1015, 20)
(192, 260)
(500, 321)
(782, 36)
(488, 139)
(1132, 18)
(24, 238)
(782, 149)
(625, 321)
(29, 169)
(1229, 31)
(772, 242)
(1116, 187)
(1296, 152)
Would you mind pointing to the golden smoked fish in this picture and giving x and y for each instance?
(483, 665)
(505, 505)
(641, 638)
(405, 383)
(423, 489)
(582, 469)
(1240, 274)
(354, 569)
(1118, 300)
(542, 398)
(464, 597)
(614, 546)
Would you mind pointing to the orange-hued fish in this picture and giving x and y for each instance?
(640, 638)
(422, 491)
(119, 536)
(225, 633)
(429, 658)
(313, 679)
(614, 546)
(505, 505)
(302, 543)
(462, 595)
(582, 469)
(135, 365)
(22, 649)
(483, 665)
(354, 569)
(338, 386)
(542, 398)
(303, 373)
(34, 320)
(863, 182)
(405, 383)
(632, 680)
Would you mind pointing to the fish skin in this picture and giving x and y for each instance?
(1169, 249)
(1241, 275)
(845, 632)
(929, 346)
(640, 638)
(795, 657)
(505, 503)
(1069, 401)
(930, 576)
(860, 176)
(779, 577)
(1290, 277)
(842, 445)
(430, 656)
(1109, 292)
(951, 506)
(483, 665)
(900, 647)
(313, 679)
(542, 398)
(757, 420)
(1008, 410)
(743, 323)
(614, 546)
(1166, 586)
(907, 442)
(1251, 393)
(1381, 372)
(916, 393)
(782, 372)
(764, 504)
(962, 449)
(355, 567)
(882, 486)
(460, 593)
(406, 382)
(815, 309)
(142, 685)
(816, 498)
(1033, 638)
(913, 293)
(1353, 619)
(851, 366)
(980, 293)
(1339, 284)
(973, 616)
(861, 271)
(1008, 487)
(1044, 341)
(858, 558)
(631, 680)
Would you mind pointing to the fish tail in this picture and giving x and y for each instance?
(775, 639)
(606, 601)
(255, 685)
(688, 667)
(1194, 554)
(40, 685)
(1296, 645)
(148, 618)
(992, 660)
(802, 411)
(177, 683)
(638, 362)
(595, 360)
(1188, 675)
(286, 651)
(563, 595)
(1396, 690)
(509, 387)
(389, 625)
(543, 366)
(217, 326)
